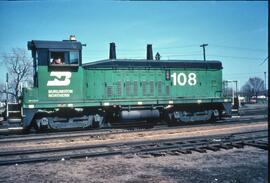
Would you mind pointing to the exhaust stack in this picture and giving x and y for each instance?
(112, 51)
(149, 52)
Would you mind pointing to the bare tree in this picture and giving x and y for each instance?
(253, 87)
(19, 67)
(246, 91)
(2, 88)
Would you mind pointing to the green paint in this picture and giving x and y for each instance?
(122, 87)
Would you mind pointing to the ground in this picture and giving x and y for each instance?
(247, 165)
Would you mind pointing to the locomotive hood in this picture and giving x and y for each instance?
(143, 63)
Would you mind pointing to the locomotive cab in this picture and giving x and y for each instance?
(56, 55)
(58, 77)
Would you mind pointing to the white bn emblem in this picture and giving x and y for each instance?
(65, 81)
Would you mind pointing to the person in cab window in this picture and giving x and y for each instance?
(57, 61)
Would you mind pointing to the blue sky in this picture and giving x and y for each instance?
(236, 32)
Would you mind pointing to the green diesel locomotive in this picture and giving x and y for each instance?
(69, 94)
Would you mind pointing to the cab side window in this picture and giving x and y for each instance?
(74, 57)
(64, 58)
(57, 58)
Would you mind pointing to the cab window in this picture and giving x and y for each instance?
(57, 58)
(64, 58)
(74, 57)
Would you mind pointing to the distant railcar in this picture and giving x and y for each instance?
(69, 94)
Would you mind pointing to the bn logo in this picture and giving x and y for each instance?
(61, 79)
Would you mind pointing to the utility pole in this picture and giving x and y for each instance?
(6, 88)
(265, 81)
(236, 89)
(7, 94)
(204, 45)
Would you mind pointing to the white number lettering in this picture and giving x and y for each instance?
(57, 80)
(192, 79)
(182, 79)
(174, 78)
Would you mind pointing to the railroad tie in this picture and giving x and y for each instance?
(184, 151)
(173, 153)
(258, 145)
(237, 145)
(144, 155)
(156, 154)
(200, 150)
(225, 146)
(212, 148)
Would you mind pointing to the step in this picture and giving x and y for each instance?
(14, 120)
(14, 111)
(14, 115)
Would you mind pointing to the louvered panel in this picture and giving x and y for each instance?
(151, 88)
(167, 90)
(159, 88)
(109, 91)
(128, 88)
(135, 85)
(144, 88)
(119, 88)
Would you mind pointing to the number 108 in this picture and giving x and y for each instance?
(183, 79)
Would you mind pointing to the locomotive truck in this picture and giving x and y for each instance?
(105, 92)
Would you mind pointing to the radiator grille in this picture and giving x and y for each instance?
(119, 88)
(128, 88)
(167, 90)
(159, 88)
(109, 91)
(151, 88)
(135, 88)
(144, 88)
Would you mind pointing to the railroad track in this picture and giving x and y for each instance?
(154, 148)
(6, 138)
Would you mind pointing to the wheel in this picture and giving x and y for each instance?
(171, 121)
(213, 118)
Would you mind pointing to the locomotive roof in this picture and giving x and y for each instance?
(65, 44)
(142, 63)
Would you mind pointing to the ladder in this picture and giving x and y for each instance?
(13, 113)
